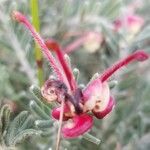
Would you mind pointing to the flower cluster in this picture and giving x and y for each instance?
(80, 105)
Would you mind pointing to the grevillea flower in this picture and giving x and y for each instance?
(81, 105)
(91, 41)
(130, 22)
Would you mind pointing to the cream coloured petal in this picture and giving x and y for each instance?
(104, 96)
(91, 94)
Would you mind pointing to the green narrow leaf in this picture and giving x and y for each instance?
(16, 126)
(76, 74)
(111, 40)
(28, 123)
(0, 130)
(38, 111)
(48, 132)
(91, 138)
(1, 126)
(113, 83)
(110, 8)
(43, 123)
(4, 118)
(95, 76)
(24, 134)
(39, 98)
(37, 94)
(68, 60)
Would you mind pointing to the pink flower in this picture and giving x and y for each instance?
(91, 41)
(131, 22)
(95, 98)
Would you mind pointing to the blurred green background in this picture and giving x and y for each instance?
(68, 21)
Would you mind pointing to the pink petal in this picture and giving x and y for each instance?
(134, 19)
(129, 21)
(53, 45)
(98, 95)
(109, 108)
(84, 38)
(56, 113)
(80, 124)
(93, 88)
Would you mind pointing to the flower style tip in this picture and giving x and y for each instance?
(79, 125)
(139, 55)
(18, 16)
(106, 111)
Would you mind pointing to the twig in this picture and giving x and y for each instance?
(60, 125)
(38, 54)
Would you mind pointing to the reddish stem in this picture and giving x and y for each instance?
(22, 19)
(60, 124)
(53, 45)
(139, 55)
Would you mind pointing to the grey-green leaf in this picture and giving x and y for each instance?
(24, 134)
(43, 123)
(38, 111)
(4, 118)
(16, 126)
